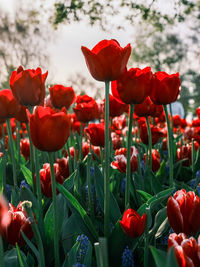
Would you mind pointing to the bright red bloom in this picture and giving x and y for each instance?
(185, 152)
(132, 223)
(196, 123)
(165, 88)
(118, 124)
(120, 161)
(176, 120)
(148, 108)
(116, 140)
(4, 215)
(183, 211)
(49, 129)
(28, 86)
(183, 123)
(116, 107)
(107, 60)
(96, 133)
(25, 148)
(45, 178)
(63, 167)
(62, 96)
(133, 86)
(155, 160)
(156, 134)
(186, 250)
(19, 222)
(21, 115)
(86, 108)
(8, 104)
(198, 112)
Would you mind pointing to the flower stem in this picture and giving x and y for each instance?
(55, 214)
(3, 189)
(18, 143)
(107, 165)
(80, 142)
(1, 253)
(11, 144)
(31, 158)
(128, 164)
(150, 143)
(170, 147)
(91, 208)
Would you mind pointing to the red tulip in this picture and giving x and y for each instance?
(4, 215)
(21, 115)
(49, 129)
(186, 250)
(185, 152)
(133, 86)
(28, 86)
(198, 112)
(86, 108)
(155, 160)
(8, 104)
(96, 133)
(183, 212)
(132, 223)
(63, 164)
(25, 148)
(107, 60)
(156, 134)
(62, 96)
(116, 107)
(19, 222)
(120, 161)
(148, 108)
(165, 88)
(45, 178)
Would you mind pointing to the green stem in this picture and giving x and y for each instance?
(193, 161)
(170, 148)
(107, 165)
(146, 250)
(55, 214)
(80, 142)
(3, 189)
(91, 208)
(39, 193)
(150, 143)
(70, 158)
(1, 253)
(18, 143)
(128, 164)
(11, 144)
(36, 234)
(31, 158)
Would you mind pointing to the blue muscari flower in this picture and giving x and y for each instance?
(82, 249)
(8, 192)
(78, 264)
(92, 192)
(198, 174)
(123, 185)
(91, 171)
(142, 166)
(127, 258)
(192, 183)
(24, 184)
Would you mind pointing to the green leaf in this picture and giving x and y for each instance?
(77, 206)
(160, 257)
(144, 195)
(159, 219)
(31, 246)
(69, 182)
(21, 258)
(162, 229)
(99, 187)
(10, 258)
(88, 257)
(27, 194)
(171, 259)
(27, 175)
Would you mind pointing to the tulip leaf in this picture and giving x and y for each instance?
(159, 219)
(31, 246)
(27, 175)
(99, 186)
(69, 182)
(160, 257)
(171, 259)
(11, 258)
(163, 227)
(144, 195)
(77, 206)
(27, 194)
(21, 257)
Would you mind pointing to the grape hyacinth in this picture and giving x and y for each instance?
(127, 258)
(82, 249)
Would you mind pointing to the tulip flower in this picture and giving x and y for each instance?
(85, 108)
(8, 104)
(132, 223)
(49, 129)
(28, 86)
(156, 134)
(198, 112)
(45, 178)
(133, 86)
(63, 164)
(107, 60)
(186, 250)
(165, 88)
(5, 217)
(62, 96)
(25, 148)
(19, 222)
(116, 107)
(21, 115)
(148, 108)
(183, 212)
(185, 152)
(96, 133)
(155, 160)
